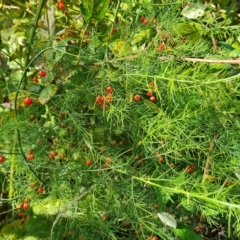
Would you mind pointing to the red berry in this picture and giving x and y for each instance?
(161, 159)
(109, 97)
(20, 214)
(99, 100)
(109, 89)
(21, 204)
(142, 19)
(145, 22)
(42, 73)
(2, 159)
(35, 80)
(137, 97)
(40, 190)
(193, 168)
(115, 30)
(154, 238)
(105, 165)
(61, 6)
(25, 206)
(160, 47)
(53, 154)
(104, 218)
(156, 206)
(28, 101)
(32, 185)
(149, 93)
(154, 21)
(228, 184)
(153, 99)
(172, 165)
(88, 162)
(151, 84)
(30, 157)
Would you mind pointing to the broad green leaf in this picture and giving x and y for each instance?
(60, 51)
(48, 206)
(195, 10)
(16, 75)
(47, 93)
(192, 30)
(13, 228)
(186, 233)
(86, 8)
(94, 9)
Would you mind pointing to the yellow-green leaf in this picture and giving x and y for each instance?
(47, 93)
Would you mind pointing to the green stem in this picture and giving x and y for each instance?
(117, 9)
(31, 35)
(190, 194)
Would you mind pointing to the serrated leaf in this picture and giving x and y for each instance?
(167, 219)
(47, 93)
(195, 10)
(186, 233)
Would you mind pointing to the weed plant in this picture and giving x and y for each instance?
(126, 129)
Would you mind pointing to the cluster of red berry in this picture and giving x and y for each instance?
(145, 21)
(28, 101)
(22, 208)
(60, 5)
(101, 100)
(52, 155)
(149, 93)
(30, 155)
(190, 169)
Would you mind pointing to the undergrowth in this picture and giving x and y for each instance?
(126, 128)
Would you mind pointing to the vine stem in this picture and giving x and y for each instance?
(31, 35)
(27, 64)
